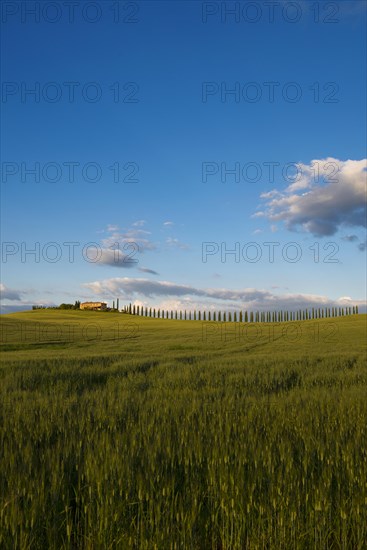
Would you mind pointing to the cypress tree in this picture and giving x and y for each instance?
(241, 316)
(219, 316)
(204, 316)
(224, 317)
(229, 317)
(356, 310)
(246, 317)
(214, 316)
(194, 314)
(209, 316)
(251, 317)
(185, 315)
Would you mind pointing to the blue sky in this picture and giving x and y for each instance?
(152, 96)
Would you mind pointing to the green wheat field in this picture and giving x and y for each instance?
(118, 431)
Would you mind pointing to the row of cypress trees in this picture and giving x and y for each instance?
(243, 317)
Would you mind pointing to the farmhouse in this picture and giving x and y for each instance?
(93, 305)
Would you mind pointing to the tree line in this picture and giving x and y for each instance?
(242, 316)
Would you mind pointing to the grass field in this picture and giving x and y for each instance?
(129, 432)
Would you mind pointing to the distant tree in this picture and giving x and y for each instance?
(118, 304)
(204, 316)
(246, 317)
(219, 317)
(356, 310)
(77, 304)
(240, 316)
(199, 315)
(229, 317)
(214, 316)
(209, 319)
(189, 315)
(224, 317)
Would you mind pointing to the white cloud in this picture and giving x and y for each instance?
(335, 196)
(175, 243)
(124, 240)
(9, 294)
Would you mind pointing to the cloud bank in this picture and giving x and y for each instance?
(247, 298)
